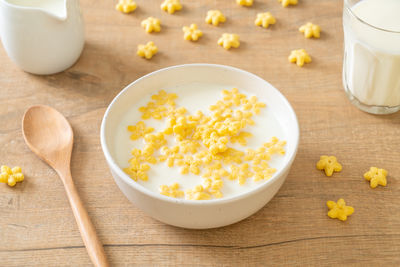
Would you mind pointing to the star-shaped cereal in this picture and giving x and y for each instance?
(244, 2)
(191, 33)
(299, 56)
(171, 6)
(339, 210)
(11, 176)
(376, 177)
(229, 40)
(126, 6)
(137, 171)
(285, 3)
(264, 19)
(151, 25)
(310, 30)
(241, 173)
(171, 191)
(214, 17)
(170, 155)
(139, 130)
(190, 164)
(329, 164)
(148, 50)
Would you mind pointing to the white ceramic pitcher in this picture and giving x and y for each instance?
(42, 36)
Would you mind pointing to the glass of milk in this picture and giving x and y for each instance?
(371, 64)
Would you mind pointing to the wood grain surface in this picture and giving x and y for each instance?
(37, 227)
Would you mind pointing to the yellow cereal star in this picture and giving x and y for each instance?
(198, 193)
(11, 176)
(171, 191)
(376, 177)
(299, 56)
(310, 30)
(339, 210)
(264, 19)
(191, 33)
(137, 170)
(244, 2)
(148, 50)
(190, 164)
(229, 40)
(139, 130)
(151, 25)
(170, 155)
(126, 6)
(214, 17)
(285, 3)
(329, 164)
(171, 6)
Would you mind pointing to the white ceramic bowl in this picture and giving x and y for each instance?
(190, 213)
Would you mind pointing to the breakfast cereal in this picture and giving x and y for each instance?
(310, 30)
(215, 17)
(286, 3)
(229, 40)
(264, 19)
(191, 33)
(339, 210)
(148, 50)
(171, 6)
(202, 150)
(329, 164)
(151, 25)
(126, 6)
(299, 57)
(244, 2)
(376, 177)
(11, 176)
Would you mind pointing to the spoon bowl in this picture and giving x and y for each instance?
(49, 135)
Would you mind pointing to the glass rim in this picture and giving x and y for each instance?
(348, 7)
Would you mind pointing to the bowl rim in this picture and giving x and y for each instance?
(118, 170)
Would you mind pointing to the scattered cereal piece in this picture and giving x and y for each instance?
(275, 146)
(171, 191)
(264, 19)
(310, 30)
(190, 164)
(126, 6)
(170, 155)
(198, 193)
(191, 33)
(137, 171)
(213, 187)
(376, 177)
(244, 2)
(171, 6)
(229, 40)
(214, 17)
(241, 173)
(285, 3)
(139, 130)
(241, 138)
(339, 210)
(151, 25)
(329, 164)
(148, 50)
(11, 176)
(299, 56)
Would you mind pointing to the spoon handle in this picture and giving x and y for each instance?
(93, 245)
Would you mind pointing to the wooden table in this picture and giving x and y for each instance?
(37, 227)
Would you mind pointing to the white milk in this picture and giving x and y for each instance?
(372, 56)
(195, 96)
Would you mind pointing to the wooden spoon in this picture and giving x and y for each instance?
(49, 135)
